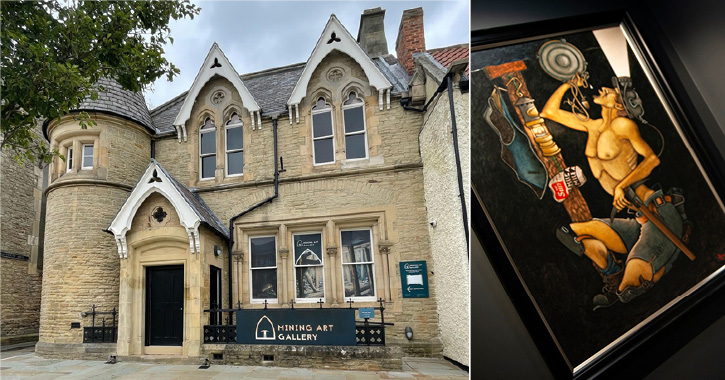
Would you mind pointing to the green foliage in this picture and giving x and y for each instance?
(53, 52)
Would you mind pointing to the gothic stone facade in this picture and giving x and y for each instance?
(348, 175)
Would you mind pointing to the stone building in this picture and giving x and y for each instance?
(21, 262)
(293, 192)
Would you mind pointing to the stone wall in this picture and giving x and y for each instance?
(392, 135)
(81, 260)
(398, 194)
(122, 149)
(326, 357)
(20, 277)
(447, 238)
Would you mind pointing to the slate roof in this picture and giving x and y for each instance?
(200, 207)
(271, 89)
(164, 115)
(396, 74)
(120, 102)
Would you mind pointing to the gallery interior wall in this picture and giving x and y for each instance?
(692, 37)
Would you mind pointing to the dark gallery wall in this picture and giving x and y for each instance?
(692, 38)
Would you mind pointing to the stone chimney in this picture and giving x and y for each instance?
(371, 35)
(411, 37)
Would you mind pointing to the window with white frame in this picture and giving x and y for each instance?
(234, 146)
(308, 265)
(69, 160)
(356, 144)
(323, 141)
(87, 159)
(207, 149)
(358, 273)
(263, 268)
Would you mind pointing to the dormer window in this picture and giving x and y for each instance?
(323, 141)
(207, 149)
(356, 144)
(234, 146)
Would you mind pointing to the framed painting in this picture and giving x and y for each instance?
(595, 198)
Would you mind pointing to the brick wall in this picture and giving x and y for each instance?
(411, 37)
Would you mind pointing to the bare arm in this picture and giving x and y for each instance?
(552, 110)
(627, 129)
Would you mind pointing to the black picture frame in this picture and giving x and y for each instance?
(670, 329)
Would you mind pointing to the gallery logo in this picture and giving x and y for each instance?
(308, 257)
(265, 329)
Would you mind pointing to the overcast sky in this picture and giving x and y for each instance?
(259, 35)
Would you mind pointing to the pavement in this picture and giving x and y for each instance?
(21, 363)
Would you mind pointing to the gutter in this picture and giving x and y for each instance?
(230, 242)
(447, 84)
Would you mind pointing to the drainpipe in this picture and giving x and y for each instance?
(454, 130)
(230, 244)
(447, 84)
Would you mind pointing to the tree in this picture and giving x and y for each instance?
(54, 52)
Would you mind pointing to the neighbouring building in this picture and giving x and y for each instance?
(306, 215)
(21, 262)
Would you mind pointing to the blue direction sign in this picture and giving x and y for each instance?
(366, 312)
(414, 278)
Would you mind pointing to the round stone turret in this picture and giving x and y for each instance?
(81, 263)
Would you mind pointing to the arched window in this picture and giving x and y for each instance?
(234, 146)
(356, 142)
(323, 141)
(207, 149)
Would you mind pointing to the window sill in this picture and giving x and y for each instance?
(270, 301)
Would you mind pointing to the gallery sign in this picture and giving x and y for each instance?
(317, 327)
(414, 278)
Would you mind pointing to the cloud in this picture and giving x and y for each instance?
(257, 36)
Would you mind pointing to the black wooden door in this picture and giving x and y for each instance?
(164, 305)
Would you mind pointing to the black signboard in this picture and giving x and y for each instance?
(314, 327)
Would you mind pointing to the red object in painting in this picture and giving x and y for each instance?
(560, 190)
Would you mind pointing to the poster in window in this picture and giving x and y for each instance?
(308, 266)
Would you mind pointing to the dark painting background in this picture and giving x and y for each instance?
(561, 283)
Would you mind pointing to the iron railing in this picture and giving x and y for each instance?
(103, 333)
(367, 333)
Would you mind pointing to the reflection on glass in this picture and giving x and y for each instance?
(263, 262)
(357, 260)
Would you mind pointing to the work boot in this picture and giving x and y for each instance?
(631, 292)
(612, 277)
(609, 291)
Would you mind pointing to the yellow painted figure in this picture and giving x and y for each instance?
(614, 146)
